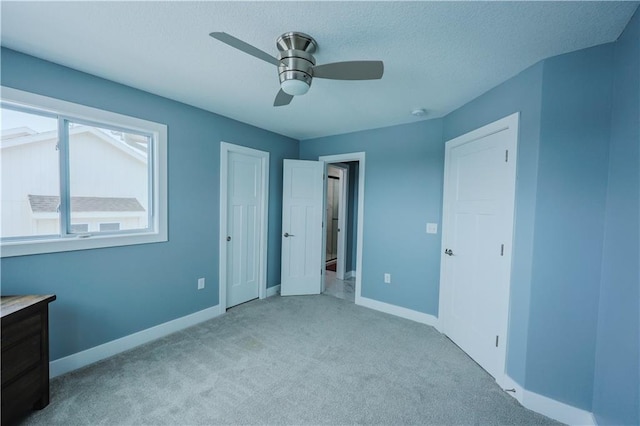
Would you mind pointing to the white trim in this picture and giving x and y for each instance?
(557, 410)
(57, 243)
(350, 274)
(273, 290)
(225, 149)
(399, 311)
(360, 158)
(549, 407)
(510, 125)
(81, 359)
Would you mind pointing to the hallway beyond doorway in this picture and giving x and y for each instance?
(342, 289)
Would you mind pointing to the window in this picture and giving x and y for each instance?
(75, 177)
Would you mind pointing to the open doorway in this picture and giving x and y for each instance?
(303, 233)
(341, 193)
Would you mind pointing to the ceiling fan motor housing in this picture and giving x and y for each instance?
(296, 60)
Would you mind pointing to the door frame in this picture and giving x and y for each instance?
(343, 209)
(344, 158)
(225, 149)
(509, 124)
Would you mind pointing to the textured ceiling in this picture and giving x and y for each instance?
(437, 55)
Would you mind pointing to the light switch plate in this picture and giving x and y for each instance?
(432, 228)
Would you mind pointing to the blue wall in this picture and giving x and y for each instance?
(565, 125)
(523, 94)
(109, 293)
(403, 191)
(569, 224)
(616, 393)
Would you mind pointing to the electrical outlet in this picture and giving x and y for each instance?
(200, 283)
(387, 278)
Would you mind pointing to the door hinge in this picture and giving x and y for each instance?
(501, 249)
(496, 341)
(506, 156)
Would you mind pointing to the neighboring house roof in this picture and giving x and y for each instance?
(130, 144)
(49, 204)
(17, 132)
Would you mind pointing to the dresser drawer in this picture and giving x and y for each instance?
(14, 331)
(20, 357)
(21, 394)
(25, 355)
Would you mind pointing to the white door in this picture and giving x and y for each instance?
(302, 211)
(243, 227)
(479, 190)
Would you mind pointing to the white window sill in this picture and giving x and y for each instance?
(81, 242)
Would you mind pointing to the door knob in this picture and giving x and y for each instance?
(448, 252)
(228, 238)
(287, 235)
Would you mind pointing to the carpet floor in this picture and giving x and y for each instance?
(288, 360)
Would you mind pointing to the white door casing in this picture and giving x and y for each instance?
(302, 230)
(478, 217)
(243, 224)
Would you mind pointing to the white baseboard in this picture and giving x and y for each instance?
(273, 291)
(549, 407)
(80, 359)
(349, 275)
(398, 311)
(557, 410)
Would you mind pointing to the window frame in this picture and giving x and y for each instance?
(157, 157)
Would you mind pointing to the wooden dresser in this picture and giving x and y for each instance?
(25, 354)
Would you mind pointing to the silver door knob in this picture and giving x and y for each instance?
(287, 235)
(448, 252)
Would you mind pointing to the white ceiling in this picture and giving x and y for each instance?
(437, 55)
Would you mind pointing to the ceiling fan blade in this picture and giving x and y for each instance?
(245, 47)
(282, 98)
(350, 70)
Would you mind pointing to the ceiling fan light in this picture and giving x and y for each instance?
(294, 87)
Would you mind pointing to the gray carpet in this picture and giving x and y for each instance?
(288, 360)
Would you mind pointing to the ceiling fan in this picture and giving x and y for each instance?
(297, 66)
